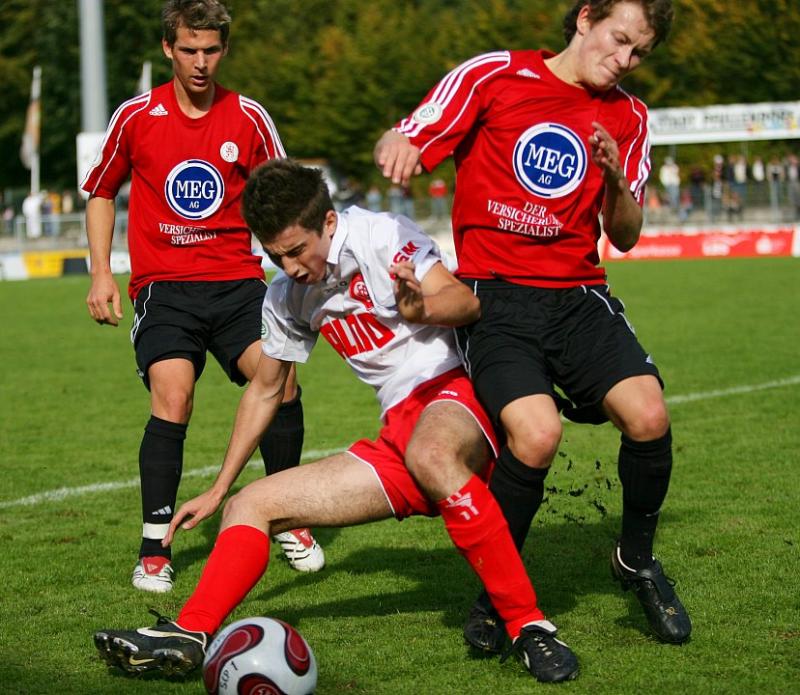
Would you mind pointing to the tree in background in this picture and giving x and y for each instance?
(335, 73)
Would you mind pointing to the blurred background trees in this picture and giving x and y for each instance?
(335, 73)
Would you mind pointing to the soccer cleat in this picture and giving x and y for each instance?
(484, 629)
(166, 648)
(547, 659)
(664, 610)
(302, 551)
(153, 574)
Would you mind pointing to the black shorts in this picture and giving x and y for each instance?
(530, 339)
(185, 319)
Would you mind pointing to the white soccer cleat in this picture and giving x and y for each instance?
(302, 551)
(153, 574)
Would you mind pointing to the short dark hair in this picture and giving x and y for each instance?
(283, 193)
(197, 15)
(659, 15)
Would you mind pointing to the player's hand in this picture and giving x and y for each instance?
(104, 290)
(397, 158)
(191, 513)
(407, 291)
(605, 154)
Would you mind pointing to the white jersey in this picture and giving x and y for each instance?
(354, 308)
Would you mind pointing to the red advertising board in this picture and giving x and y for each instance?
(710, 242)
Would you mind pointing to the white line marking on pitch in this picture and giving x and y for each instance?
(64, 492)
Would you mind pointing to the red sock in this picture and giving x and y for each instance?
(478, 529)
(239, 558)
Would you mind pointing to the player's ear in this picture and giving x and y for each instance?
(582, 22)
(329, 224)
(166, 48)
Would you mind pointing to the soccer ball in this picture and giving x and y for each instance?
(259, 656)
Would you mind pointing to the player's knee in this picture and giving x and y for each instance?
(429, 462)
(175, 406)
(650, 422)
(537, 445)
(244, 508)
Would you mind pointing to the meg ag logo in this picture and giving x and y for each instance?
(549, 160)
(194, 189)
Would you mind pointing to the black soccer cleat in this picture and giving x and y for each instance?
(166, 648)
(485, 629)
(662, 607)
(548, 659)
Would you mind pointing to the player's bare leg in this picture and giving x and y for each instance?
(171, 384)
(337, 491)
(636, 406)
(281, 447)
(447, 446)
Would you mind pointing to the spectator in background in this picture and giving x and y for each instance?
(697, 185)
(437, 190)
(349, 194)
(374, 199)
(8, 220)
(396, 203)
(409, 209)
(793, 185)
(739, 182)
(32, 210)
(670, 177)
(717, 192)
(775, 176)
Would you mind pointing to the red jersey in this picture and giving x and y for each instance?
(187, 178)
(528, 197)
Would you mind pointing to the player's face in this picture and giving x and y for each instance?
(303, 253)
(195, 57)
(613, 47)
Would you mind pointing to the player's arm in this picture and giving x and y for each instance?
(256, 410)
(439, 298)
(622, 215)
(104, 289)
(442, 120)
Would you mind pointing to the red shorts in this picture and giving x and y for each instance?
(386, 455)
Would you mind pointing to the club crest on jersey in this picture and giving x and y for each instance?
(359, 292)
(549, 160)
(427, 113)
(194, 189)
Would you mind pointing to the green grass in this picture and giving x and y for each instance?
(385, 616)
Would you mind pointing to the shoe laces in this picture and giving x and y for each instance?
(518, 645)
(160, 619)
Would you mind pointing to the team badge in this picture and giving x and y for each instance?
(427, 113)
(229, 151)
(194, 189)
(550, 160)
(359, 292)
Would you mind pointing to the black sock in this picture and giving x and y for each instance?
(644, 471)
(282, 443)
(160, 467)
(519, 490)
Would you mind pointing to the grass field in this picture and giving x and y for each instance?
(385, 616)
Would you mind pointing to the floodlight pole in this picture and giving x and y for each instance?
(94, 103)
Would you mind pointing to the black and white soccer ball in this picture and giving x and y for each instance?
(259, 656)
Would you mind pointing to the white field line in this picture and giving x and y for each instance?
(64, 492)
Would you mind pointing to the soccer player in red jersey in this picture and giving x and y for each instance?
(196, 285)
(545, 145)
(377, 289)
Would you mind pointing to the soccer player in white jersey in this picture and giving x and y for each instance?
(195, 284)
(545, 145)
(376, 287)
